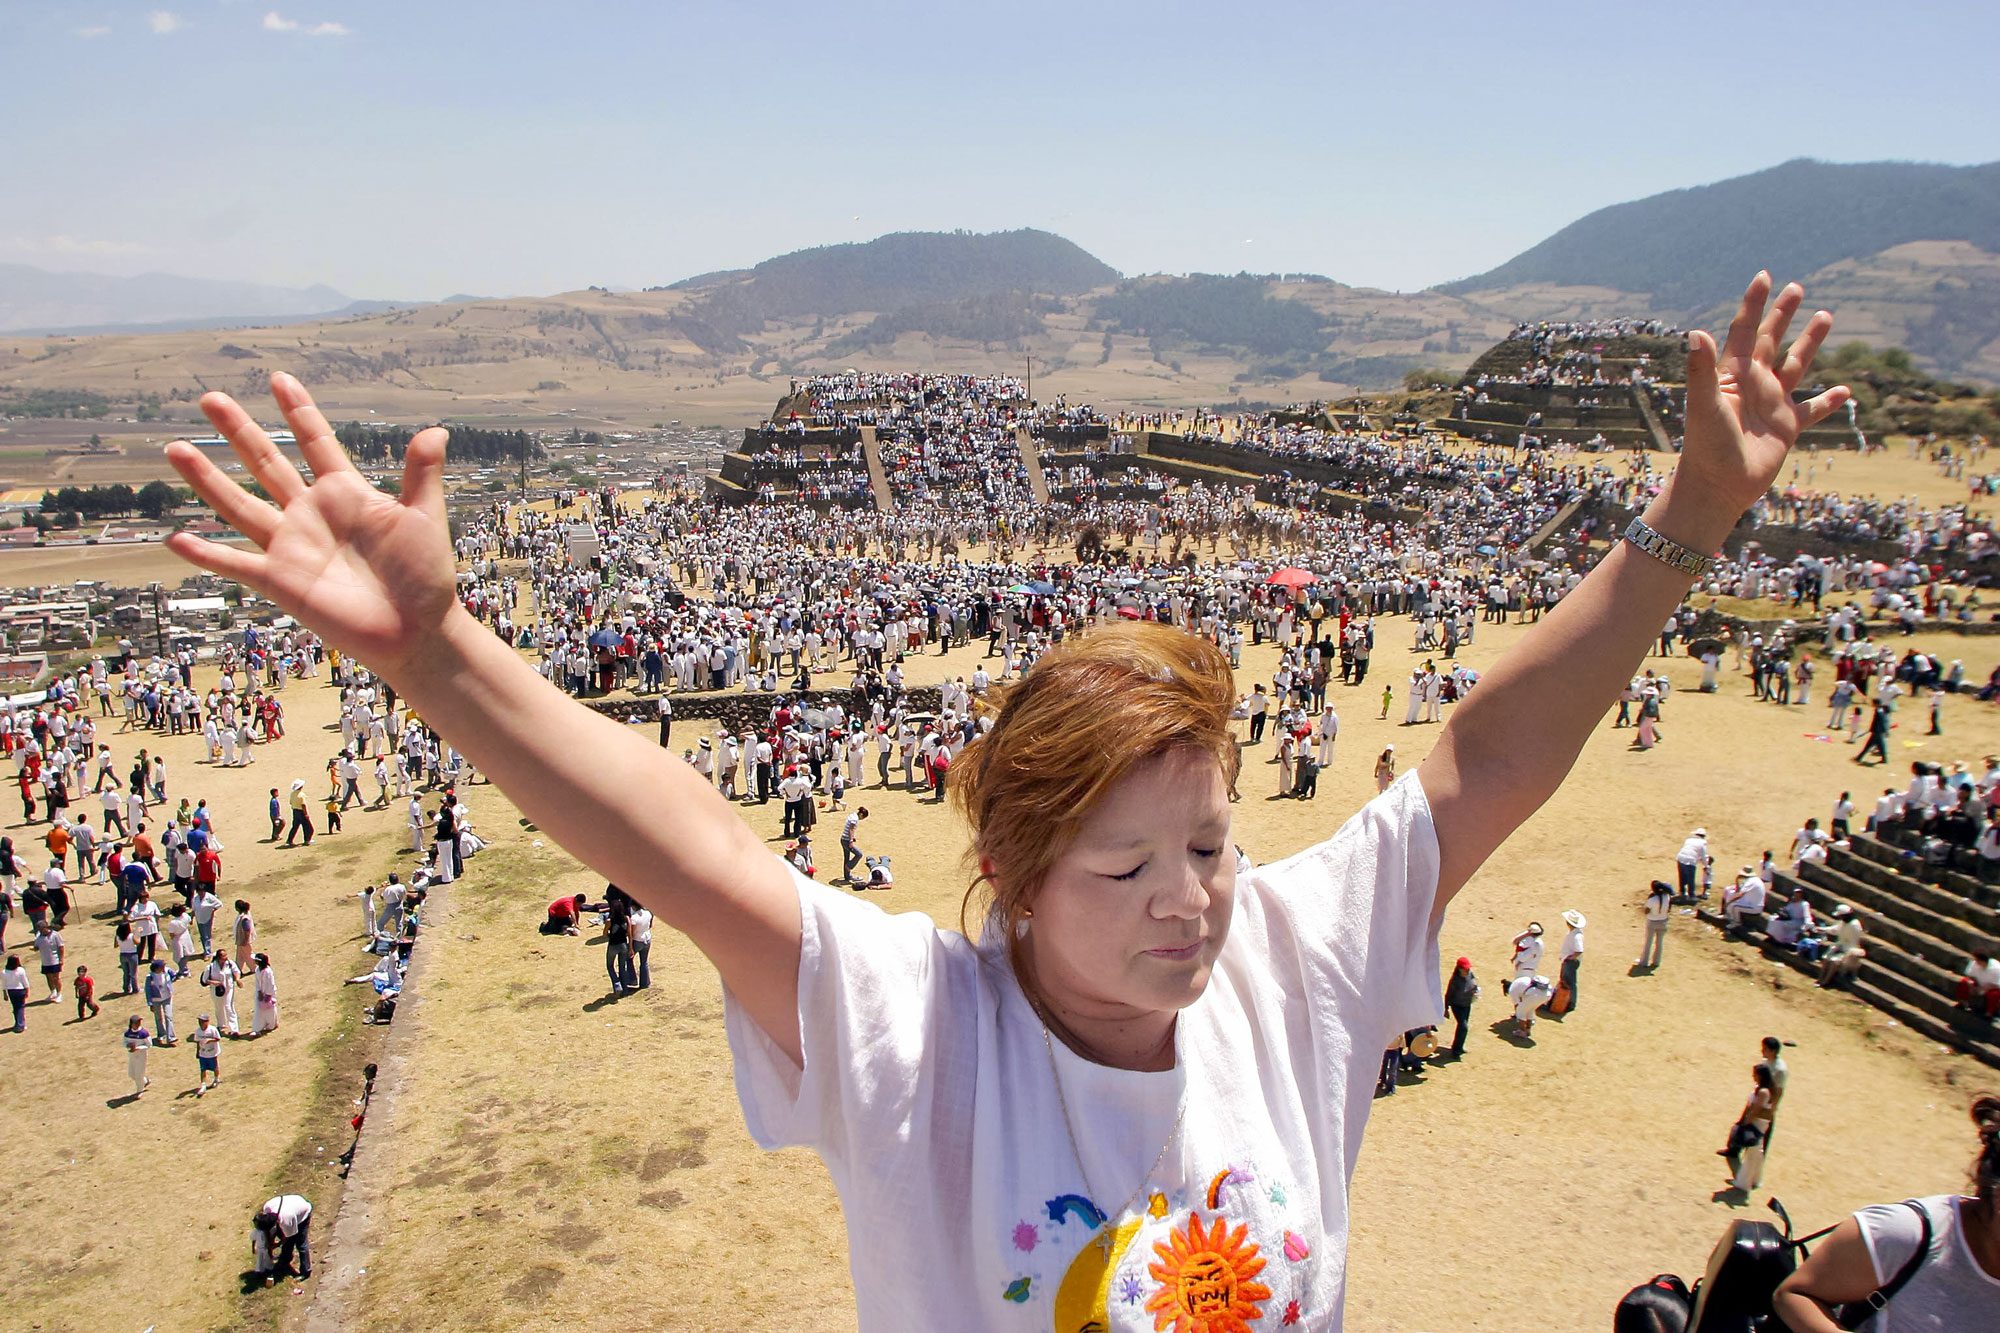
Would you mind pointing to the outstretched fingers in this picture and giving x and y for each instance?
(1823, 405)
(1804, 348)
(309, 426)
(273, 471)
(241, 510)
(1743, 329)
(1771, 332)
(230, 562)
(1702, 383)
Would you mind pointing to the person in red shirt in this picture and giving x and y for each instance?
(207, 867)
(27, 781)
(564, 913)
(86, 993)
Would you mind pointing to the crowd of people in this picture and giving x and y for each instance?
(162, 876)
(1548, 332)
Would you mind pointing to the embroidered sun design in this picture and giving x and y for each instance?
(1205, 1280)
(1025, 1237)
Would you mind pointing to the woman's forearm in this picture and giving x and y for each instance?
(1521, 728)
(622, 805)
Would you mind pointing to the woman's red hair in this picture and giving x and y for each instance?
(1067, 732)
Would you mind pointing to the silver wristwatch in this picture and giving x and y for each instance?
(1667, 550)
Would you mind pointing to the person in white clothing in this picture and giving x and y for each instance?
(138, 1045)
(1329, 732)
(265, 1018)
(1570, 955)
(1156, 1012)
(1744, 897)
(1692, 856)
(1529, 992)
(207, 1056)
(1659, 912)
(1528, 948)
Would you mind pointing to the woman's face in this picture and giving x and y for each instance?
(1135, 909)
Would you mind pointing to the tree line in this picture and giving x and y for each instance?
(154, 500)
(469, 444)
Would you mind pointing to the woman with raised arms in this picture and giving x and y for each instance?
(1136, 1100)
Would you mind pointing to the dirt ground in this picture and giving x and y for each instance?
(541, 1155)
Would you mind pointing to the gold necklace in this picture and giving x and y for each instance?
(1102, 1233)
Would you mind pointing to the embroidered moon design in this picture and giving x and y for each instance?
(1083, 1299)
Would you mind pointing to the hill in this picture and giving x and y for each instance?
(1690, 249)
(909, 268)
(942, 282)
(40, 300)
(1907, 254)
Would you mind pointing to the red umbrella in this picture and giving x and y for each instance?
(1293, 577)
(1129, 612)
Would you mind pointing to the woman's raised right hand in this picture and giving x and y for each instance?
(373, 573)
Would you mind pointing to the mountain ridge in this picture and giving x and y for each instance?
(37, 300)
(1691, 249)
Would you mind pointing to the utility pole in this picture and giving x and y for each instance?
(1031, 381)
(159, 622)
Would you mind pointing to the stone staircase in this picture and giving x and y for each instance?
(1554, 525)
(1031, 460)
(1661, 440)
(1921, 922)
(726, 490)
(878, 476)
(1565, 419)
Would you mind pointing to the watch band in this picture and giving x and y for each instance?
(1668, 551)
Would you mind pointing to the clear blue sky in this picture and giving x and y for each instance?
(417, 148)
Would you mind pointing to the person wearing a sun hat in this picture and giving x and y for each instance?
(1691, 857)
(1385, 769)
(301, 815)
(1571, 952)
(1746, 895)
(1528, 947)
